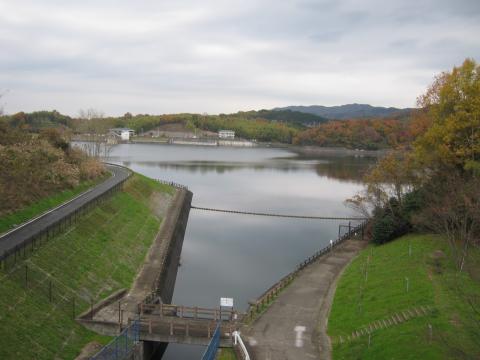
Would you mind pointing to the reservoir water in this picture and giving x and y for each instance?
(240, 256)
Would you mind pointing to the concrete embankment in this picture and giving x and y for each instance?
(157, 276)
(294, 326)
(336, 151)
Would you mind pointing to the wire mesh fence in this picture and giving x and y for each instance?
(45, 287)
(122, 346)
(41, 233)
(211, 350)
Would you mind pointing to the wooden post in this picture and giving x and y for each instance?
(171, 328)
(187, 329)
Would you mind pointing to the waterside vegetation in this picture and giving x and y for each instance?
(418, 296)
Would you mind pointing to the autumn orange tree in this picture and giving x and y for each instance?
(440, 173)
(448, 157)
(452, 105)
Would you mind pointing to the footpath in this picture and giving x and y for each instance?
(294, 327)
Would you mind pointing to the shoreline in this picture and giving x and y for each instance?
(338, 151)
(302, 150)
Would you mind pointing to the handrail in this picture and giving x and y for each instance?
(34, 234)
(189, 312)
(172, 183)
(272, 292)
(237, 341)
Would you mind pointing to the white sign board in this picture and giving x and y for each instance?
(227, 302)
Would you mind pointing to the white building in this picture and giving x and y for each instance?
(123, 133)
(226, 134)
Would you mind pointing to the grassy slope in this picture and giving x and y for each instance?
(226, 354)
(431, 282)
(98, 255)
(7, 222)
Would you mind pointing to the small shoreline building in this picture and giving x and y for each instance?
(226, 134)
(123, 133)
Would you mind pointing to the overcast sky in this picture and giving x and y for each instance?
(223, 56)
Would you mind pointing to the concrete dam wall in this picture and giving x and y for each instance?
(155, 279)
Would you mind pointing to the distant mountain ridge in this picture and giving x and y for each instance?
(348, 111)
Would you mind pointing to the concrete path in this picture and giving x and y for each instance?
(34, 227)
(294, 326)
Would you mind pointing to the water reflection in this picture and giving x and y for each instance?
(343, 168)
(240, 256)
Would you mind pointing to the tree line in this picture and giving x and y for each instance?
(282, 126)
(434, 184)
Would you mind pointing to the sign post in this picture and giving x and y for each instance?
(226, 303)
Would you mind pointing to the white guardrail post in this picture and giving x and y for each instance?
(239, 342)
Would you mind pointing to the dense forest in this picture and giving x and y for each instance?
(358, 134)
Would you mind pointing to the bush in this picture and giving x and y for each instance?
(91, 169)
(383, 229)
(34, 167)
(395, 219)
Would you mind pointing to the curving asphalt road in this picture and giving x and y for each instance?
(36, 226)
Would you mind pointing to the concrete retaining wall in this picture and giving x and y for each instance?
(156, 277)
(172, 234)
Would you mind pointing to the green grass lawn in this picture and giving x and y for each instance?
(9, 221)
(98, 255)
(374, 287)
(226, 354)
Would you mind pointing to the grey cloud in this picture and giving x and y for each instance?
(221, 56)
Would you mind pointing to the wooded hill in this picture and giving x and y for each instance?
(350, 111)
(282, 126)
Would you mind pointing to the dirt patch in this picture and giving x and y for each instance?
(89, 350)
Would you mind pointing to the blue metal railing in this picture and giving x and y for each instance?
(122, 346)
(212, 347)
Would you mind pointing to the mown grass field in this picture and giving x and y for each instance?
(374, 287)
(98, 255)
(8, 222)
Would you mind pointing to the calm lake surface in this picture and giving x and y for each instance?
(240, 256)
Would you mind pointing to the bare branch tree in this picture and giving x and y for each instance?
(1, 105)
(97, 144)
(453, 210)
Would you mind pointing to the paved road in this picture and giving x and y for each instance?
(34, 227)
(294, 327)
